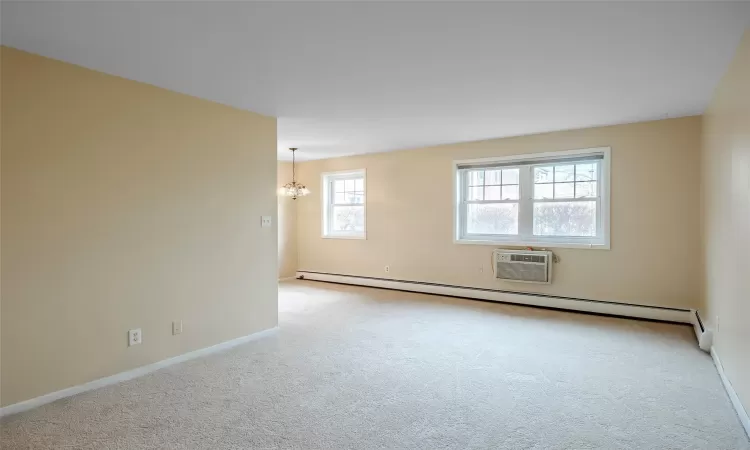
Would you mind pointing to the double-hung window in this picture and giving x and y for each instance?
(344, 204)
(551, 199)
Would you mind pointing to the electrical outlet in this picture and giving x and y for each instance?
(387, 269)
(177, 327)
(265, 221)
(135, 337)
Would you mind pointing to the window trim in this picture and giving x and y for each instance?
(600, 242)
(326, 180)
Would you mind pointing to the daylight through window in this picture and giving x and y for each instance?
(344, 204)
(549, 199)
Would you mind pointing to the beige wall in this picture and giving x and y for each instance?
(1, 290)
(287, 225)
(126, 206)
(654, 260)
(726, 157)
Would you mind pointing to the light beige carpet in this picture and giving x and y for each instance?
(359, 368)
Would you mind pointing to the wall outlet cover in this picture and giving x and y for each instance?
(177, 327)
(265, 221)
(135, 337)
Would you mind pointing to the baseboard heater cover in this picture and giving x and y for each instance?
(705, 336)
(678, 315)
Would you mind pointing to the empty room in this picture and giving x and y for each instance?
(374, 224)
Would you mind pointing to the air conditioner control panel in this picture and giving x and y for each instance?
(502, 257)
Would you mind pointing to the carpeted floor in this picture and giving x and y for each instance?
(359, 368)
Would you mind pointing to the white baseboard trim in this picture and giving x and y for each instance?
(704, 335)
(130, 374)
(546, 301)
(741, 411)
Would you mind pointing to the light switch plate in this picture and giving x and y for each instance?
(265, 221)
(177, 327)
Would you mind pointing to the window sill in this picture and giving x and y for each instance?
(537, 244)
(345, 236)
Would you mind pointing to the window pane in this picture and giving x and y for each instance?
(492, 218)
(564, 173)
(543, 191)
(338, 185)
(359, 184)
(586, 172)
(475, 193)
(491, 177)
(510, 192)
(563, 190)
(492, 192)
(354, 197)
(587, 189)
(349, 184)
(565, 219)
(476, 178)
(340, 198)
(510, 176)
(348, 218)
(542, 174)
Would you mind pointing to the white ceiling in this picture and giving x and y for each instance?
(356, 77)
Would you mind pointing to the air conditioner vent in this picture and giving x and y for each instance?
(524, 266)
(528, 258)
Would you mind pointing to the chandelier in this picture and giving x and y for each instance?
(293, 189)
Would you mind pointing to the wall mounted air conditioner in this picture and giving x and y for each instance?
(524, 266)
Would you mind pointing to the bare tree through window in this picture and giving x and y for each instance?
(535, 198)
(345, 208)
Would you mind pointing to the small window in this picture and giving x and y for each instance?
(344, 205)
(552, 199)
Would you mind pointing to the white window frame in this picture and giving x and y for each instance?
(327, 202)
(525, 202)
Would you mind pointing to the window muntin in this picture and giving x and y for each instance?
(344, 204)
(549, 200)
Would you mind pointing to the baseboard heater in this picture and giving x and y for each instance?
(676, 315)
